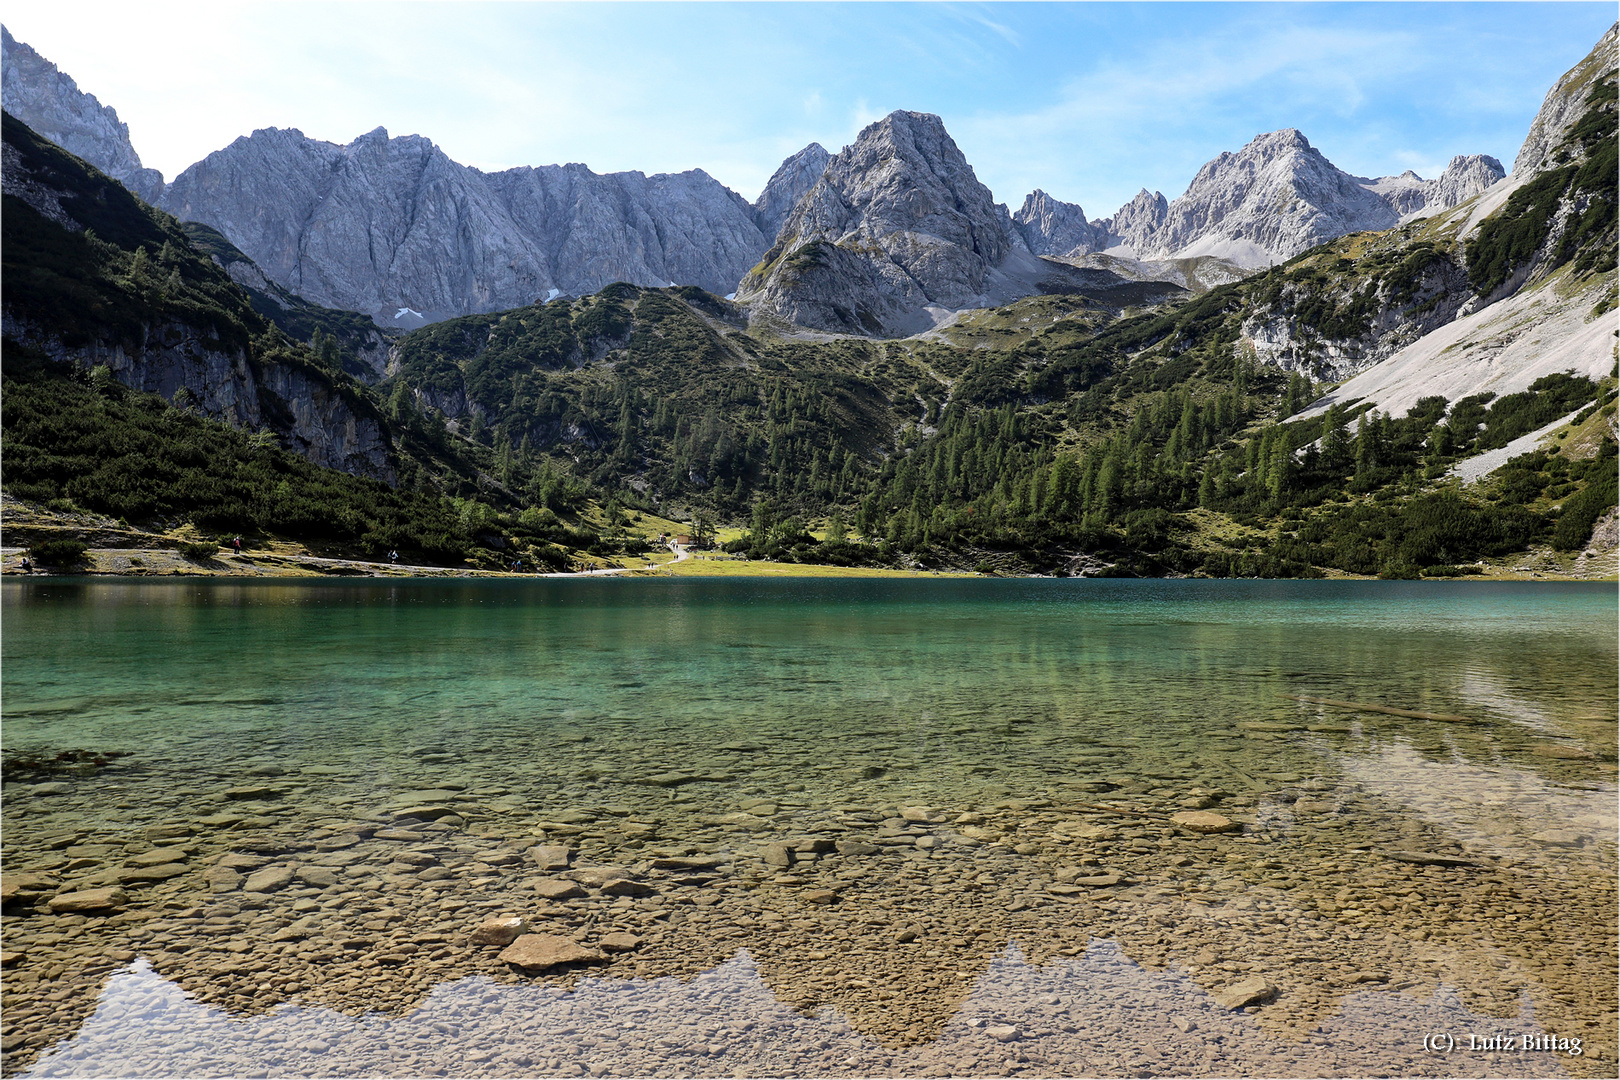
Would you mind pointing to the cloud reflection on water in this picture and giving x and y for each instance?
(1095, 1014)
(1507, 813)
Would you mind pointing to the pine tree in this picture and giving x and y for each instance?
(1335, 441)
(1366, 454)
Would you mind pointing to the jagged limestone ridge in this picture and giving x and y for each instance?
(48, 100)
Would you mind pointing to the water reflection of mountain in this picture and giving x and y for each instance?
(1094, 1014)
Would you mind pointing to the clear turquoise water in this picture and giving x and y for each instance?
(958, 676)
(826, 694)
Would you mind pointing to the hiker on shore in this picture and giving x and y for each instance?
(27, 567)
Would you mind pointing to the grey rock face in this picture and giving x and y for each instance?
(1273, 199)
(384, 224)
(667, 229)
(787, 186)
(1465, 177)
(1138, 221)
(371, 348)
(1052, 227)
(1565, 104)
(896, 223)
(312, 419)
(1278, 196)
(50, 102)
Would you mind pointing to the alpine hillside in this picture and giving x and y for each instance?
(902, 378)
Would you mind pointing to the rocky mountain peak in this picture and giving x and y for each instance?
(50, 102)
(1136, 223)
(1465, 176)
(905, 173)
(786, 186)
(896, 223)
(1271, 200)
(1052, 227)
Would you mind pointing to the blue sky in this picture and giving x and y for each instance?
(1087, 101)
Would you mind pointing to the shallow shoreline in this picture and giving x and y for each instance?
(165, 563)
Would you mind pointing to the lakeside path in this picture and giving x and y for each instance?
(167, 562)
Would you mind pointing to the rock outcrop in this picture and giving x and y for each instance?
(1052, 227)
(50, 102)
(797, 175)
(385, 224)
(310, 416)
(1564, 105)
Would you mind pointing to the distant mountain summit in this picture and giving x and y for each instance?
(50, 102)
(1465, 177)
(1271, 200)
(886, 237)
(1279, 196)
(389, 223)
(1052, 227)
(1137, 222)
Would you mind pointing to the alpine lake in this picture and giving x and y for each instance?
(808, 827)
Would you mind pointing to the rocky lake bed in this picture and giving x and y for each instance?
(751, 853)
(1277, 903)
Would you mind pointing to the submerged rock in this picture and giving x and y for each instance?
(627, 887)
(558, 889)
(500, 931)
(1202, 821)
(269, 879)
(1429, 858)
(1251, 991)
(88, 901)
(538, 952)
(551, 856)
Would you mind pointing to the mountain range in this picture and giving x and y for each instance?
(903, 232)
(905, 355)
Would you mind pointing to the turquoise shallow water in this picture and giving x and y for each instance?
(673, 703)
(800, 660)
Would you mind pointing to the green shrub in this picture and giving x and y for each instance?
(58, 552)
(1580, 512)
(199, 552)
